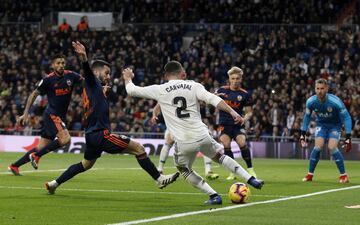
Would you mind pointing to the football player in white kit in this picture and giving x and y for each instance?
(179, 102)
(169, 142)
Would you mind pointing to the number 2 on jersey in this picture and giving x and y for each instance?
(183, 106)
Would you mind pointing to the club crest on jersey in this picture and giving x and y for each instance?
(335, 133)
(239, 97)
(68, 82)
(329, 109)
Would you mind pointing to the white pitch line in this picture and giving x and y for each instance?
(122, 191)
(232, 207)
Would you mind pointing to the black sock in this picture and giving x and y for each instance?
(148, 166)
(213, 195)
(228, 152)
(49, 148)
(24, 159)
(246, 155)
(70, 173)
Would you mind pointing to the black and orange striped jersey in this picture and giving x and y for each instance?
(95, 103)
(236, 99)
(58, 90)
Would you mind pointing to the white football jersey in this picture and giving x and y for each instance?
(179, 102)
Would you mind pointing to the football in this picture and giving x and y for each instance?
(239, 193)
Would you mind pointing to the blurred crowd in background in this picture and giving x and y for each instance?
(280, 63)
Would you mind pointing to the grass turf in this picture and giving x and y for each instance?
(117, 190)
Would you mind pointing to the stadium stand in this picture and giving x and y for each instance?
(280, 62)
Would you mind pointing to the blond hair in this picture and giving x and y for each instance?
(235, 70)
(321, 81)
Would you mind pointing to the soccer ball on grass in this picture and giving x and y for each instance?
(239, 193)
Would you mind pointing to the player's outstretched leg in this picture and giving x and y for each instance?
(339, 160)
(235, 168)
(198, 182)
(72, 171)
(14, 167)
(149, 167)
(208, 173)
(229, 153)
(163, 156)
(314, 159)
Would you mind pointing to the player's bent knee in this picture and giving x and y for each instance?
(184, 171)
(64, 141)
(64, 137)
(216, 158)
(135, 148)
(88, 164)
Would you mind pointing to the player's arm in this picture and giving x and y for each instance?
(248, 113)
(305, 125)
(81, 52)
(216, 101)
(346, 119)
(133, 90)
(155, 113)
(24, 119)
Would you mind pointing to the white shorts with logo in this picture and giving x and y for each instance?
(185, 153)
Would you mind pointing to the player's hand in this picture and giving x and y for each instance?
(220, 94)
(128, 74)
(347, 144)
(153, 120)
(23, 120)
(303, 139)
(106, 89)
(80, 50)
(237, 118)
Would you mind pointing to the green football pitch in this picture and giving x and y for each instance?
(117, 191)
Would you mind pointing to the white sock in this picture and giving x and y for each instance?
(234, 167)
(207, 164)
(163, 156)
(53, 183)
(198, 182)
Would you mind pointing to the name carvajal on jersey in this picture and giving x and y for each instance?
(178, 86)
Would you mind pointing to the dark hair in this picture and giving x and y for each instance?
(173, 67)
(99, 63)
(321, 81)
(58, 56)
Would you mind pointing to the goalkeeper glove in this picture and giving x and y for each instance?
(347, 143)
(304, 139)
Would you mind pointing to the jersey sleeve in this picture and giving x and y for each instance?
(88, 74)
(42, 86)
(77, 78)
(143, 92)
(345, 117)
(307, 115)
(204, 95)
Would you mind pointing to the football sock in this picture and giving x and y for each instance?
(163, 156)
(24, 159)
(339, 160)
(198, 182)
(228, 152)
(148, 166)
(207, 164)
(246, 155)
(70, 173)
(314, 159)
(49, 148)
(234, 167)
